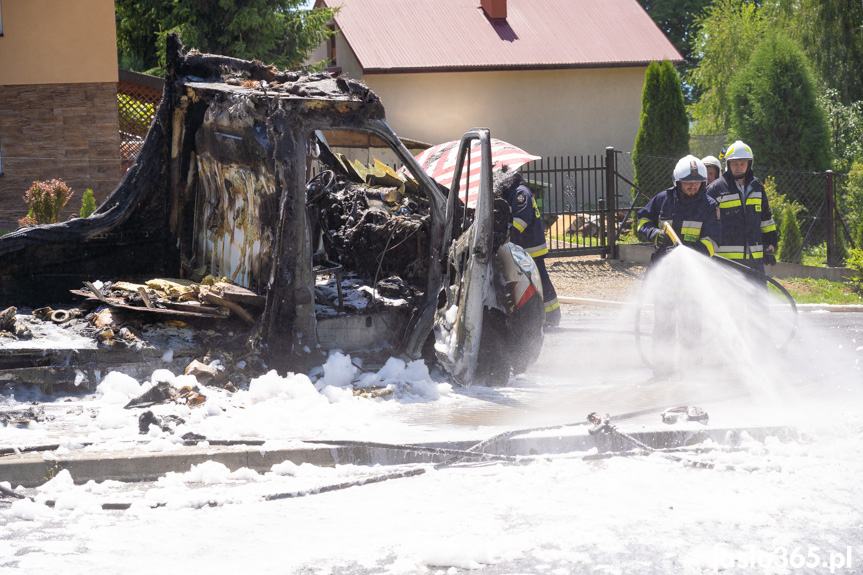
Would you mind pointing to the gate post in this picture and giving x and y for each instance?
(831, 224)
(611, 203)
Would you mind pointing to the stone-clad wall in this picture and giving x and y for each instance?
(67, 131)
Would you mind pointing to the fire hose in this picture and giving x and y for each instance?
(603, 425)
(728, 263)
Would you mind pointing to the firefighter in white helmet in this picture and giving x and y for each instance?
(748, 231)
(694, 216)
(714, 168)
(686, 206)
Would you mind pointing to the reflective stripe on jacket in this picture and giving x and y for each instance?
(695, 220)
(528, 231)
(747, 222)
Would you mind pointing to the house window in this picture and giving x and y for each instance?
(1, 26)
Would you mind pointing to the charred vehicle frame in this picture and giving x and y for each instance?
(244, 174)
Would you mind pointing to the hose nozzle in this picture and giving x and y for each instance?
(666, 227)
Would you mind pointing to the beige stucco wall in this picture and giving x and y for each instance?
(319, 54)
(346, 59)
(548, 113)
(57, 42)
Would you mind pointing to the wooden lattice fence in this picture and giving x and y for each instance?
(138, 97)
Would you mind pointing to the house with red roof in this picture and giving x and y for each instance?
(555, 77)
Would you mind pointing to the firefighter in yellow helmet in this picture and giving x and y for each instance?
(748, 231)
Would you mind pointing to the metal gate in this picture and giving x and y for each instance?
(578, 199)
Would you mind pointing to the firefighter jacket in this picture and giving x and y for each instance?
(696, 219)
(527, 228)
(747, 222)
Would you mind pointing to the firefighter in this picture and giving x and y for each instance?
(714, 168)
(748, 230)
(694, 216)
(528, 232)
(687, 207)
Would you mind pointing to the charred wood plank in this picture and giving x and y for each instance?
(238, 294)
(96, 292)
(145, 297)
(118, 303)
(233, 307)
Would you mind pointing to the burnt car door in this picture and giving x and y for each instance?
(467, 282)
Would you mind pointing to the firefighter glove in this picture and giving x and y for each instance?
(661, 239)
(701, 248)
(770, 258)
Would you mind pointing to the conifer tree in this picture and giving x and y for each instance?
(663, 135)
(775, 108)
(790, 238)
(279, 32)
(88, 204)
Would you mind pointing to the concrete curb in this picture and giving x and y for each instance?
(32, 469)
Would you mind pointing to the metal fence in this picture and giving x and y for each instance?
(818, 200)
(579, 213)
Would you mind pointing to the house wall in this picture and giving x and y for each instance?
(58, 100)
(345, 58)
(318, 54)
(547, 113)
(58, 41)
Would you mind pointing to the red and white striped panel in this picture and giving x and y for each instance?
(439, 163)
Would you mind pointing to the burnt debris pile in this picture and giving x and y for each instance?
(212, 298)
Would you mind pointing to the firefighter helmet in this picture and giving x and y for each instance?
(690, 169)
(712, 161)
(739, 151)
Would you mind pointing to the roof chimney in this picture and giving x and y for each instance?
(495, 9)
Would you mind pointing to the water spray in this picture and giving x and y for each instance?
(669, 230)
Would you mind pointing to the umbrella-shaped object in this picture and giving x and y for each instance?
(439, 163)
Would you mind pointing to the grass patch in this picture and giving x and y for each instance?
(580, 240)
(814, 256)
(576, 240)
(808, 290)
(629, 238)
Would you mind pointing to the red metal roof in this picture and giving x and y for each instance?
(448, 35)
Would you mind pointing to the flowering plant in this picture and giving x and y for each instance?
(46, 199)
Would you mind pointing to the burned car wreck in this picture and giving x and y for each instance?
(271, 181)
